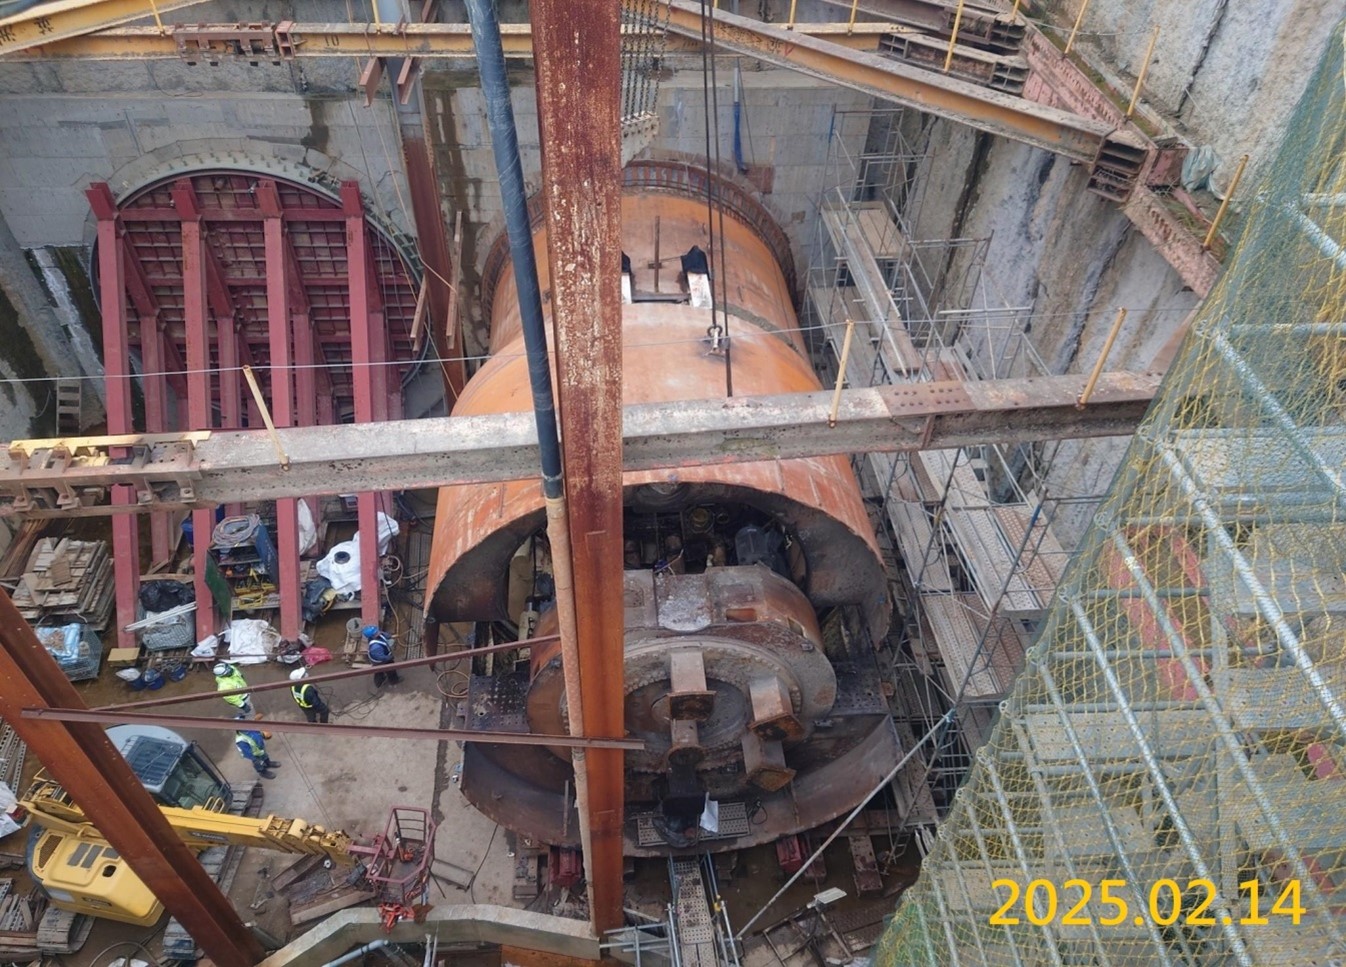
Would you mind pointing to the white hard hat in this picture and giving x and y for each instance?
(221, 669)
(297, 674)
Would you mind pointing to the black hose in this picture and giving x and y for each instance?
(481, 14)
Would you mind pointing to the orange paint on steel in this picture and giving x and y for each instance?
(83, 760)
(664, 359)
(578, 76)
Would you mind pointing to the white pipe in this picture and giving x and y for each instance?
(358, 952)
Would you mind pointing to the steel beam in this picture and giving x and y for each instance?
(427, 205)
(578, 76)
(47, 23)
(82, 758)
(279, 322)
(156, 421)
(198, 381)
(224, 43)
(362, 382)
(158, 356)
(117, 391)
(1002, 114)
(615, 743)
(458, 449)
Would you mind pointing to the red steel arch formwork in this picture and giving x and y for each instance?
(202, 274)
(729, 678)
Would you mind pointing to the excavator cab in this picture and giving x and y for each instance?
(174, 771)
(86, 875)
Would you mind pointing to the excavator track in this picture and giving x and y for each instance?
(222, 863)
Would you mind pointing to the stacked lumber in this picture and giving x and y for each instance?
(65, 581)
(16, 554)
(315, 888)
(20, 916)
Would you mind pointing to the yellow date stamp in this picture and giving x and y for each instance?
(1079, 903)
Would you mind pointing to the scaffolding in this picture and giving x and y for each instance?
(1165, 782)
(968, 531)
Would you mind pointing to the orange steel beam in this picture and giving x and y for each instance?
(212, 43)
(48, 23)
(579, 115)
(83, 760)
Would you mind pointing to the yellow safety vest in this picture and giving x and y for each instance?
(298, 692)
(231, 681)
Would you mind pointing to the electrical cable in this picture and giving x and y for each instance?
(344, 367)
(472, 883)
(453, 693)
(718, 251)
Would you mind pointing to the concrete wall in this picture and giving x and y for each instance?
(1229, 71)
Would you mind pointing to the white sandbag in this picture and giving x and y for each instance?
(308, 529)
(251, 641)
(388, 529)
(341, 565)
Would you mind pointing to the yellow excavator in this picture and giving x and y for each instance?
(81, 873)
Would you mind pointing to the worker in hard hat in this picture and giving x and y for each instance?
(252, 747)
(380, 651)
(228, 678)
(308, 698)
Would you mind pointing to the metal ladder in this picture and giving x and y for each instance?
(702, 935)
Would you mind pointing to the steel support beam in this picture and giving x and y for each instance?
(362, 380)
(460, 449)
(225, 43)
(158, 356)
(427, 205)
(117, 389)
(47, 23)
(279, 322)
(156, 421)
(578, 74)
(198, 382)
(146, 305)
(1002, 114)
(611, 744)
(82, 758)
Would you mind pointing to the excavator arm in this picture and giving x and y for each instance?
(83, 874)
(199, 828)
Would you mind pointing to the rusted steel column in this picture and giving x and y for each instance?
(306, 376)
(578, 85)
(86, 763)
(117, 388)
(380, 375)
(362, 380)
(279, 321)
(427, 204)
(198, 381)
(156, 421)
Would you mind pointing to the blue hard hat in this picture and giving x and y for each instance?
(370, 631)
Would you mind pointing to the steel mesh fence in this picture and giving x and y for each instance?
(1167, 781)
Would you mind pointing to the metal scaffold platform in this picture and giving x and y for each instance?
(974, 555)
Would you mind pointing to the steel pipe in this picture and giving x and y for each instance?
(353, 731)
